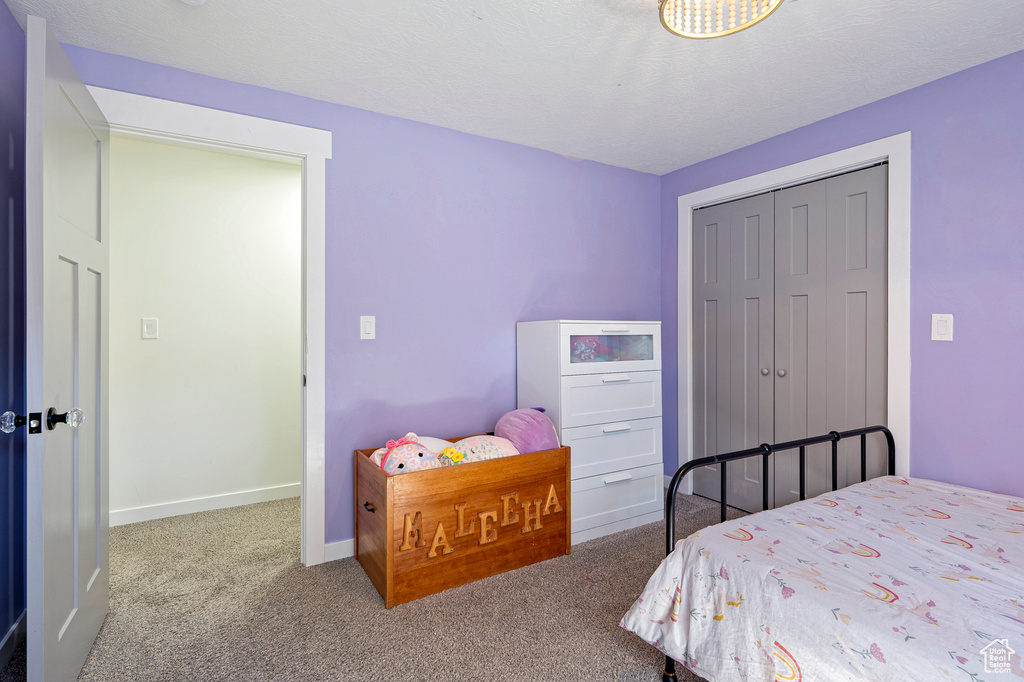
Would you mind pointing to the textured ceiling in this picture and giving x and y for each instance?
(592, 79)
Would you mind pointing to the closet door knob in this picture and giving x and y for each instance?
(782, 372)
(765, 371)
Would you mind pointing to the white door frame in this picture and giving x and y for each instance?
(185, 124)
(895, 150)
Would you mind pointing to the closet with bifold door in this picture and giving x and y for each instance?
(789, 333)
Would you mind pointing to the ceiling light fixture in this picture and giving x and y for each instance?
(713, 18)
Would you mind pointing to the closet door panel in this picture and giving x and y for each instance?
(800, 337)
(752, 307)
(857, 314)
(733, 317)
(711, 334)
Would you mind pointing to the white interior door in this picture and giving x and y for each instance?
(67, 293)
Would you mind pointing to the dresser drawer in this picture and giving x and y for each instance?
(603, 448)
(599, 347)
(604, 499)
(601, 398)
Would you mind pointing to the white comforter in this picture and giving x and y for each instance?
(892, 579)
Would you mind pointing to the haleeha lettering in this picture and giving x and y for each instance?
(531, 510)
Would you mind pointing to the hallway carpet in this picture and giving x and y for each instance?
(221, 595)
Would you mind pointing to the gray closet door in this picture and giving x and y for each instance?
(856, 344)
(801, 310)
(810, 308)
(830, 332)
(733, 341)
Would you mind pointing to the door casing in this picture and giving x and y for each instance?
(897, 151)
(185, 124)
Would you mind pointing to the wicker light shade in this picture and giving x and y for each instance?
(713, 18)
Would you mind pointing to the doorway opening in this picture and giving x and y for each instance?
(205, 329)
(149, 118)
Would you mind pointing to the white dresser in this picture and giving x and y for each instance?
(600, 383)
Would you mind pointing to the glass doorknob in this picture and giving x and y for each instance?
(10, 421)
(72, 418)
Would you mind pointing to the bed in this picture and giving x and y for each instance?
(889, 579)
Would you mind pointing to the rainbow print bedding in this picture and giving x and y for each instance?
(892, 579)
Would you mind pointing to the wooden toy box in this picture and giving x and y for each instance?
(427, 531)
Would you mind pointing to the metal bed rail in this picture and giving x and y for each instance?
(765, 451)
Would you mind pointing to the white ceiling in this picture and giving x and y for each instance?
(592, 79)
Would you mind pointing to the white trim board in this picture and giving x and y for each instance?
(896, 150)
(186, 124)
(343, 549)
(121, 517)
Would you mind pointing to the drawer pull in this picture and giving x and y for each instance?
(615, 330)
(618, 478)
(617, 428)
(369, 507)
(615, 378)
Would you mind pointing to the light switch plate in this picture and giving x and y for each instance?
(367, 327)
(150, 328)
(942, 327)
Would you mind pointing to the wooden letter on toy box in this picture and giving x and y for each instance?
(412, 531)
(535, 516)
(440, 540)
(487, 533)
(552, 501)
(509, 515)
(461, 530)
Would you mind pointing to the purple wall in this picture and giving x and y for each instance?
(449, 239)
(12, 323)
(967, 258)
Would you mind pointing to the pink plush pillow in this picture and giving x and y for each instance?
(529, 430)
(482, 448)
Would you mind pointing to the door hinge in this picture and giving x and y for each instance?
(303, 379)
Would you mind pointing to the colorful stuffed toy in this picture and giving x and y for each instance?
(406, 454)
(481, 448)
(530, 430)
(453, 455)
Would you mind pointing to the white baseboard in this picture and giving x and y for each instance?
(339, 550)
(686, 487)
(201, 504)
(12, 639)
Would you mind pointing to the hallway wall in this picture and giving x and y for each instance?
(208, 414)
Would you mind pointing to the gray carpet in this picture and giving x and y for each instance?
(221, 596)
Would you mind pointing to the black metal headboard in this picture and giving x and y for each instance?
(765, 450)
